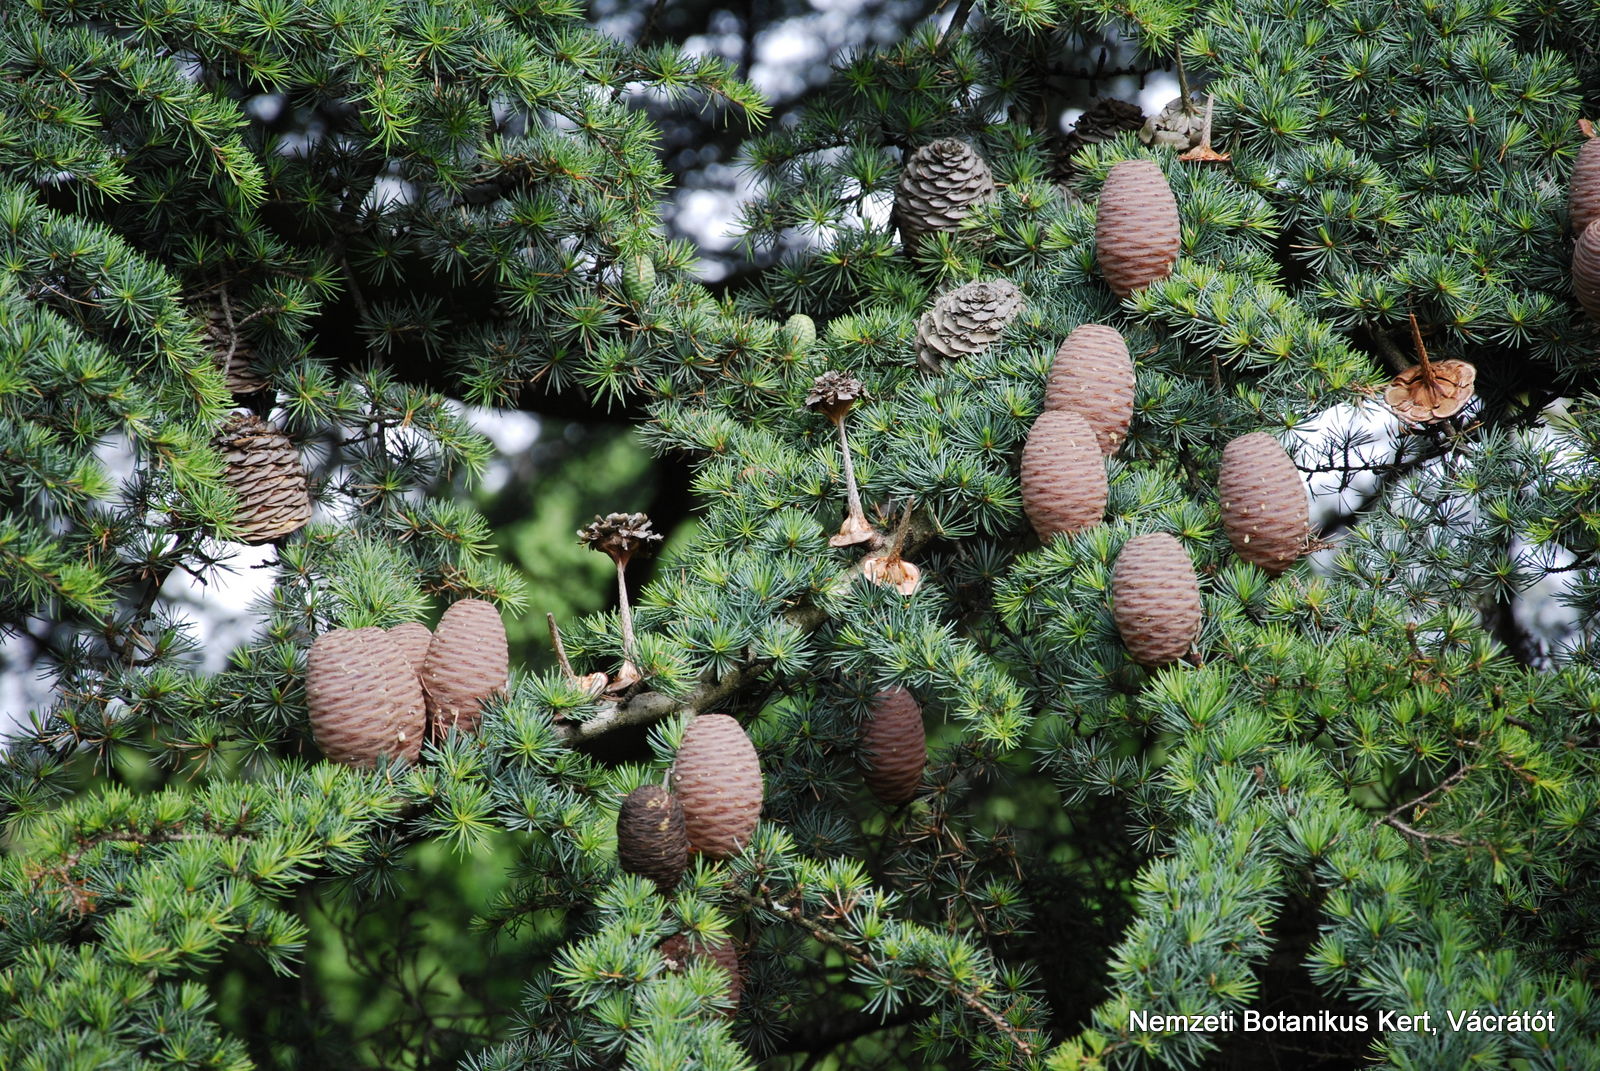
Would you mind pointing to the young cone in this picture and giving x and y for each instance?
(651, 838)
(894, 747)
(1063, 475)
(468, 661)
(941, 184)
(1586, 269)
(965, 321)
(801, 330)
(264, 470)
(638, 277)
(1093, 374)
(680, 950)
(363, 698)
(717, 779)
(1155, 599)
(1264, 507)
(1583, 190)
(1136, 229)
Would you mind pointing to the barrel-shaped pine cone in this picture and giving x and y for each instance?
(1265, 511)
(413, 638)
(680, 950)
(1136, 229)
(894, 747)
(1093, 374)
(941, 184)
(1583, 191)
(264, 471)
(717, 779)
(1155, 599)
(363, 698)
(651, 838)
(1063, 475)
(468, 661)
(1586, 269)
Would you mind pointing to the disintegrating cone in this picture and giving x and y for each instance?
(942, 182)
(1264, 506)
(263, 469)
(1063, 475)
(651, 839)
(1093, 374)
(967, 320)
(638, 277)
(1155, 599)
(717, 778)
(1101, 121)
(1586, 269)
(680, 950)
(1136, 230)
(413, 639)
(363, 698)
(1583, 191)
(467, 662)
(1420, 400)
(1175, 126)
(232, 353)
(894, 746)
(801, 329)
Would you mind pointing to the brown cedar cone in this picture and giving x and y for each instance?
(1586, 269)
(263, 469)
(1063, 475)
(413, 639)
(1102, 121)
(1155, 599)
(894, 746)
(1136, 230)
(1583, 191)
(467, 663)
(964, 321)
(717, 777)
(363, 698)
(1264, 507)
(1420, 401)
(651, 840)
(680, 949)
(1093, 374)
(231, 352)
(940, 185)
(1176, 127)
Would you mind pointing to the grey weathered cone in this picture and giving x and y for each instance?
(1155, 599)
(941, 184)
(1583, 190)
(1093, 374)
(717, 779)
(1265, 511)
(231, 352)
(1175, 127)
(1586, 269)
(413, 639)
(680, 950)
(965, 321)
(894, 747)
(1136, 230)
(1063, 475)
(651, 838)
(468, 661)
(263, 469)
(363, 699)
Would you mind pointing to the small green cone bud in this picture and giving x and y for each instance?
(638, 277)
(801, 329)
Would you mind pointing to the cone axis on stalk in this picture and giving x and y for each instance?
(264, 470)
(1093, 374)
(1155, 599)
(1063, 475)
(1265, 512)
(967, 320)
(717, 779)
(468, 661)
(941, 184)
(364, 699)
(652, 840)
(1136, 230)
(894, 747)
(622, 537)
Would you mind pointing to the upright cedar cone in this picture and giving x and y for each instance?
(941, 184)
(468, 661)
(364, 699)
(965, 321)
(1136, 230)
(1264, 506)
(894, 747)
(1583, 191)
(1586, 269)
(1155, 599)
(1093, 374)
(717, 778)
(680, 950)
(651, 839)
(413, 639)
(231, 352)
(263, 469)
(1063, 475)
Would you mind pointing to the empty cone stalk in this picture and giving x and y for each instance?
(1093, 374)
(363, 698)
(1586, 269)
(264, 471)
(1063, 475)
(468, 661)
(1264, 507)
(717, 779)
(1583, 192)
(894, 747)
(651, 838)
(1155, 599)
(1136, 230)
